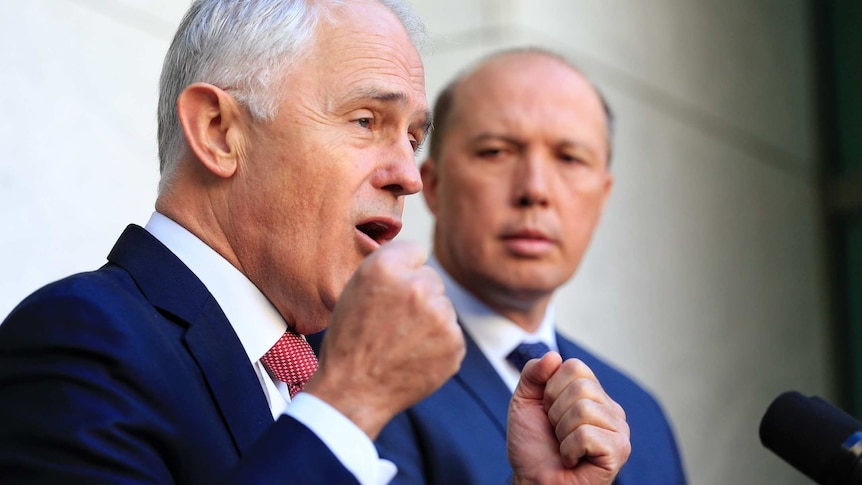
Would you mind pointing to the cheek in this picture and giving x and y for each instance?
(471, 204)
(473, 234)
(580, 217)
(323, 193)
(479, 194)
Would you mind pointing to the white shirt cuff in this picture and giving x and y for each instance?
(347, 442)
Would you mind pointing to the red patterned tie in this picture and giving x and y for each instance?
(291, 361)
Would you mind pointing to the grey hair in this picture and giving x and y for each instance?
(244, 47)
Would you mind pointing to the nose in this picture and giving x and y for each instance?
(400, 174)
(531, 187)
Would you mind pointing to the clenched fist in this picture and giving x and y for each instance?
(563, 428)
(392, 341)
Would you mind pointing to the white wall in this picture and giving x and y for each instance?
(706, 280)
(79, 90)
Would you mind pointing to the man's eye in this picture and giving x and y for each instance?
(573, 159)
(489, 153)
(417, 146)
(363, 122)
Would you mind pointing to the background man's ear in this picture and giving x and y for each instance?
(609, 183)
(428, 170)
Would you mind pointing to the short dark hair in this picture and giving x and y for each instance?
(446, 99)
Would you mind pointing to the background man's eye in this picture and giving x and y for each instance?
(364, 122)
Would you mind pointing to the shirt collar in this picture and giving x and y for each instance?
(254, 319)
(495, 335)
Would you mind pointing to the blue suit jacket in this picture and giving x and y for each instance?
(132, 374)
(458, 434)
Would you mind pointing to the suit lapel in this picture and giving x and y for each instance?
(220, 355)
(567, 348)
(173, 288)
(479, 379)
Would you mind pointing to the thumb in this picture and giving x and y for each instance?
(535, 375)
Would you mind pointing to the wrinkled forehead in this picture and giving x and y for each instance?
(366, 35)
(362, 57)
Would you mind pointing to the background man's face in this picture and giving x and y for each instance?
(324, 182)
(521, 179)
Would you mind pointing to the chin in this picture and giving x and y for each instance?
(311, 329)
(315, 321)
(538, 282)
(329, 296)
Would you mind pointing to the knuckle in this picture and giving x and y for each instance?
(576, 367)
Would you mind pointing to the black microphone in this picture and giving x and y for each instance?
(818, 439)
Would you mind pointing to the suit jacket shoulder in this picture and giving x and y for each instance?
(132, 374)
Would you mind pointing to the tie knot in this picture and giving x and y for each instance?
(526, 351)
(291, 360)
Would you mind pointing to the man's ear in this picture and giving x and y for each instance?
(609, 183)
(428, 171)
(211, 121)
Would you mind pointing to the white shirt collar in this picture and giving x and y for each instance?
(254, 319)
(495, 335)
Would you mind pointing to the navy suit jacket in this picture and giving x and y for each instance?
(132, 374)
(458, 434)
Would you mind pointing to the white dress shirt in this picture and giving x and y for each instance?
(495, 335)
(259, 325)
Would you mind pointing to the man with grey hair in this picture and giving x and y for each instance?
(287, 133)
(517, 177)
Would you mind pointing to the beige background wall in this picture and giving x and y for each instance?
(706, 280)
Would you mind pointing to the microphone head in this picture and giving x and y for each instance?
(813, 436)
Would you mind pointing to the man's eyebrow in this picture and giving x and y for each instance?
(560, 142)
(520, 143)
(387, 95)
(499, 137)
(377, 94)
(400, 97)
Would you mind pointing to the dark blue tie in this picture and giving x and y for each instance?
(526, 351)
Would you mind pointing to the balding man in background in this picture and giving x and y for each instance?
(517, 177)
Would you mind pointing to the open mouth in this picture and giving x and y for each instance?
(380, 231)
